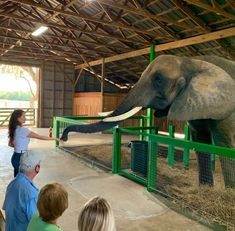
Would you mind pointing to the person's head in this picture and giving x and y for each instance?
(17, 119)
(30, 163)
(52, 202)
(96, 215)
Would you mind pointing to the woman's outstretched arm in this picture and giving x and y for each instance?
(40, 137)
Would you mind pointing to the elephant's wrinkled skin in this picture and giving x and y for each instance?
(200, 90)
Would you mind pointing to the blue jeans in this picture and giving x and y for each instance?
(15, 161)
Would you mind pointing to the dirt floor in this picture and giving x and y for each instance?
(215, 205)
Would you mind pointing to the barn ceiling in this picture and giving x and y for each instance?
(81, 31)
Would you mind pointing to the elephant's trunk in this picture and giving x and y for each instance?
(87, 128)
(124, 107)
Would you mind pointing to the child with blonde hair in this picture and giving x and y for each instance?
(96, 215)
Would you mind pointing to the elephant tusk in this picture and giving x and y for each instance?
(122, 116)
(105, 113)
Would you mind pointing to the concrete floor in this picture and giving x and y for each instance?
(134, 208)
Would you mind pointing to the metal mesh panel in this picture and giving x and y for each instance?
(190, 192)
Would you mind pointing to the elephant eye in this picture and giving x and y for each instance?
(158, 81)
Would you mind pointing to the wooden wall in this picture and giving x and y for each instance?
(163, 124)
(87, 103)
(112, 100)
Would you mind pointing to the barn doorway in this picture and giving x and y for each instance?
(19, 89)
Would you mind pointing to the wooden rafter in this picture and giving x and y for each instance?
(215, 9)
(172, 45)
(74, 15)
(144, 13)
(74, 28)
(199, 22)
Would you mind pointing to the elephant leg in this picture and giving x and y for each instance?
(224, 135)
(204, 159)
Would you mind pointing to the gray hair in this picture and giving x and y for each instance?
(96, 215)
(29, 160)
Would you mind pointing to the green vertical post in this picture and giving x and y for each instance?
(116, 160)
(149, 110)
(155, 130)
(152, 166)
(55, 130)
(186, 150)
(170, 160)
(141, 136)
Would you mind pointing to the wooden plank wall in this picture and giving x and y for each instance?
(163, 124)
(87, 103)
(112, 101)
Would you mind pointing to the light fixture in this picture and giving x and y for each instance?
(40, 30)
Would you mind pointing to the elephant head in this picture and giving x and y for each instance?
(181, 88)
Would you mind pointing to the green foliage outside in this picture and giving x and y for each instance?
(16, 95)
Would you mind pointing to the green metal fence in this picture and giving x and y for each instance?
(153, 180)
(148, 133)
(154, 141)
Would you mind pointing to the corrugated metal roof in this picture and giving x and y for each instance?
(84, 31)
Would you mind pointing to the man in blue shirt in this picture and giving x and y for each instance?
(21, 196)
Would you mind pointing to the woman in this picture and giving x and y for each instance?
(52, 202)
(96, 215)
(19, 137)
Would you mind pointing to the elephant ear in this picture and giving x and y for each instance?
(210, 94)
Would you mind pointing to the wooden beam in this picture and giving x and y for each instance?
(103, 76)
(45, 55)
(77, 78)
(77, 40)
(212, 9)
(200, 23)
(167, 46)
(48, 49)
(102, 85)
(37, 57)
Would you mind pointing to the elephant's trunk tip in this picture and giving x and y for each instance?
(64, 137)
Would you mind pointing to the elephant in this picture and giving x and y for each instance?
(200, 90)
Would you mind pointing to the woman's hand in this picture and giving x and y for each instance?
(59, 140)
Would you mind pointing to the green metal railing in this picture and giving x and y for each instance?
(154, 140)
(60, 123)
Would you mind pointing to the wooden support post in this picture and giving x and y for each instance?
(102, 84)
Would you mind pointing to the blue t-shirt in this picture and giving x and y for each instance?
(21, 141)
(20, 203)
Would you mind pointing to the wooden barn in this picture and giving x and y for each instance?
(64, 60)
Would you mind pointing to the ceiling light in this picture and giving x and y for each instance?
(40, 30)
